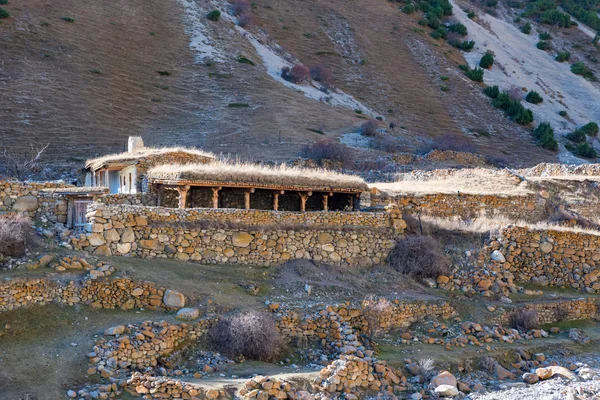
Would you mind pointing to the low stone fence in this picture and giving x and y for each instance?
(385, 314)
(27, 198)
(239, 236)
(552, 311)
(527, 208)
(548, 257)
(117, 293)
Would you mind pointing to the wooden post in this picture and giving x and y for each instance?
(247, 198)
(183, 192)
(303, 198)
(159, 193)
(215, 196)
(351, 202)
(326, 201)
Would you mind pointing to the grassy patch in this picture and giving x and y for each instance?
(319, 131)
(238, 105)
(68, 19)
(163, 73)
(244, 60)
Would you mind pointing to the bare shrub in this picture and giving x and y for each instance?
(373, 311)
(250, 334)
(387, 143)
(426, 368)
(328, 149)
(561, 314)
(18, 164)
(242, 10)
(419, 256)
(16, 235)
(369, 128)
(453, 141)
(297, 74)
(244, 19)
(524, 319)
(515, 93)
(489, 364)
(322, 74)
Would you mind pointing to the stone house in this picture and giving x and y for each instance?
(126, 172)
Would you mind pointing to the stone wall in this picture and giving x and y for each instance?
(530, 208)
(564, 258)
(27, 197)
(239, 236)
(116, 293)
(552, 311)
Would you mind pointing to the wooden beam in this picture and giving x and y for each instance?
(215, 196)
(276, 201)
(303, 199)
(325, 202)
(183, 192)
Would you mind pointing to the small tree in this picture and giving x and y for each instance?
(543, 45)
(475, 74)
(213, 15)
(580, 68)
(544, 135)
(458, 28)
(590, 129)
(526, 29)
(585, 150)
(533, 97)
(4, 13)
(486, 61)
(563, 56)
(577, 136)
(545, 36)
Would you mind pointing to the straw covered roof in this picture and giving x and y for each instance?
(146, 152)
(253, 175)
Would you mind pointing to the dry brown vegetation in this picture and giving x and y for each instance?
(253, 174)
(420, 257)
(144, 153)
(16, 234)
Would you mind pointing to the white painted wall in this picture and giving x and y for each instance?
(128, 178)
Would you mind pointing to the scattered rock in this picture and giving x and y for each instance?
(443, 378)
(446, 391)
(188, 314)
(115, 330)
(173, 299)
(530, 378)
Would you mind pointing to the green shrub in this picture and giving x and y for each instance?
(458, 28)
(577, 136)
(491, 91)
(545, 36)
(544, 134)
(475, 74)
(590, 129)
(4, 13)
(464, 67)
(213, 15)
(526, 29)
(513, 108)
(3, 2)
(533, 97)
(444, 77)
(465, 45)
(555, 17)
(562, 113)
(543, 45)
(563, 56)
(585, 150)
(471, 14)
(68, 19)
(408, 9)
(486, 61)
(580, 68)
(439, 33)
(444, 88)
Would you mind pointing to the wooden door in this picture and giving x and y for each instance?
(80, 210)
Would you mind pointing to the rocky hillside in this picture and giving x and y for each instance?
(84, 76)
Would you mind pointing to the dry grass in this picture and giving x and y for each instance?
(476, 181)
(16, 235)
(495, 224)
(144, 153)
(259, 175)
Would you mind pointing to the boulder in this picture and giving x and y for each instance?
(25, 204)
(543, 373)
(174, 299)
(443, 378)
(188, 314)
(558, 371)
(242, 239)
(127, 236)
(446, 391)
(96, 239)
(502, 373)
(530, 378)
(115, 330)
(498, 256)
(442, 279)
(45, 260)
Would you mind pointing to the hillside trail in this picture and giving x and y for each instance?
(518, 63)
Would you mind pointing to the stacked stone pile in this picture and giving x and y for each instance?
(160, 387)
(265, 388)
(351, 375)
(137, 347)
(96, 268)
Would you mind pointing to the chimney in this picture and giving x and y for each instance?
(134, 144)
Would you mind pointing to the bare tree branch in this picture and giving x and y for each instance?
(18, 164)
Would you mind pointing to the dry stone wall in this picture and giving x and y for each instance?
(548, 257)
(528, 208)
(27, 198)
(117, 293)
(239, 236)
(558, 310)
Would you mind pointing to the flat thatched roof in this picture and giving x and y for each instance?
(126, 157)
(252, 175)
(77, 190)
